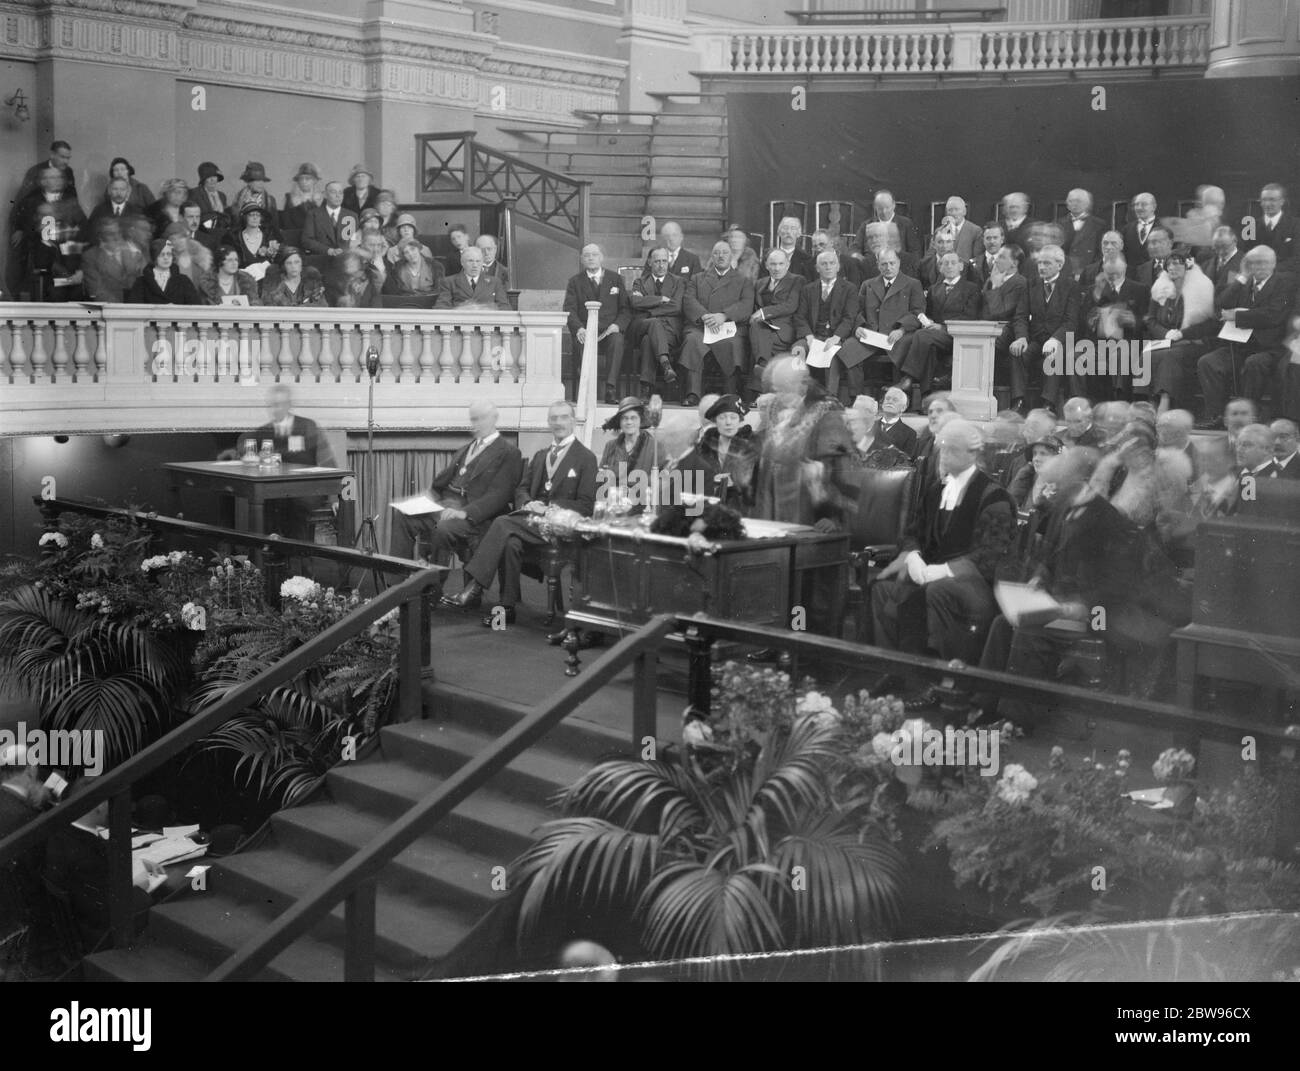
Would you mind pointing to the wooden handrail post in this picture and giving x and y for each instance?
(700, 687)
(359, 918)
(467, 147)
(120, 913)
(410, 643)
(588, 387)
(645, 700)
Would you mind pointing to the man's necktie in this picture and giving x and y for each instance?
(1157, 268)
(554, 456)
(1050, 290)
(1143, 230)
(117, 210)
(887, 285)
(659, 288)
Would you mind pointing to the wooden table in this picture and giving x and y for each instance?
(624, 576)
(253, 486)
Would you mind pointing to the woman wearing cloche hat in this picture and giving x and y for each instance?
(299, 200)
(361, 193)
(721, 465)
(632, 450)
(254, 192)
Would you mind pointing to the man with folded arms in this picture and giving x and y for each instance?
(475, 488)
(938, 592)
(828, 310)
(717, 296)
(656, 327)
(561, 475)
(771, 328)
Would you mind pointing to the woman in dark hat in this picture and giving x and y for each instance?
(254, 192)
(214, 203)
(1027, 490)
(631, 451)
(255, 240)
(300, 200)
(361, 192)
(141, 197)
(160, 283)
(721, 465)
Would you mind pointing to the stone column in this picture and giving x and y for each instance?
(1255, 39)
(972, 367)
(657, 47)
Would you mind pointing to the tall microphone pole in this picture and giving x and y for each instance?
(367, 538)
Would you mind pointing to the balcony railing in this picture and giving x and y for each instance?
(85, 367)
(1110, 45)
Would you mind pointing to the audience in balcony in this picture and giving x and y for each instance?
(60, 159)
(413, 275)
(406, 227)
(116, 205)
(300, 200)
(256, 239)
(386, 206)
(161, 282)
(214, 205)
(140, 196)
(293, 285)
(229, 282)
(111, 266)
(51, 260)
(361, 192)
(254, 192)
(460, 241)
(492, 266)
(353, 282)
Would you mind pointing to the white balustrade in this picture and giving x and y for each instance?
(1115, 44)
(70, 366)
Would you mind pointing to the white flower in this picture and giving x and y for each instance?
(1016, 784)
(818, 707)
(57, 538)
(302, 588)
(1173, 763)
(883, 745)
(193, 617)
(96, 542)
(696, 732)
(158, 561)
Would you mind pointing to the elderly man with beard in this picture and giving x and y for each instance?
(938, 593)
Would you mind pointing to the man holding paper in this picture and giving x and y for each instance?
(464, 498)
(1254, 355)
(889, 310)
(827, 312)
(717, 300)
(771, 327)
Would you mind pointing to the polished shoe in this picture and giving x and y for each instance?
(611, 395)
(491, 617)
(470, 598)
(765, 654)
(670, 377)
(691, 401)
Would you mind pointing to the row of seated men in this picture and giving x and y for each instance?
(1177, 296)
(801, 462)
(239, 250)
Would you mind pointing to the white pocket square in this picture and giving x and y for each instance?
(613, 290)
(685, 270)
(572, 475)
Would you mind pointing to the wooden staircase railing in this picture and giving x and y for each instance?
(458, 163)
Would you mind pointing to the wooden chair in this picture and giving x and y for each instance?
(876, 531)
(777, 210)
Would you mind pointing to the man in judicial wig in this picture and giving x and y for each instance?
(474, 489)
(562, 475)
(938, 592)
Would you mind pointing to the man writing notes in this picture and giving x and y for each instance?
(475, 488)
(562, 474)
(594, 283)
(717, 302)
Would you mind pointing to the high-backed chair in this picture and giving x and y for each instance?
(876, 531)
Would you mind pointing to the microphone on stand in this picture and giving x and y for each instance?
(372, 362)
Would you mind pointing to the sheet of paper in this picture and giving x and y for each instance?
(313, 468)
(727, 330)
(820, 353)
(1233, 333)
(169, 850)
(143, 840)
(142, 879)
(875, 338)
(180, 831)
(759, 529)
(417, 506)
(258, 270)
(1157, 344)
(1020, 603)
(99, 831)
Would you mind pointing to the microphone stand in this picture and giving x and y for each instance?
(367, 539)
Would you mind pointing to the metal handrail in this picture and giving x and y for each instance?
(355, 880)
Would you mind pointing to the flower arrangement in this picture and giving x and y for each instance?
(1016, 784)
(1174, 764)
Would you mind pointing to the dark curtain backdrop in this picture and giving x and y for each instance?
(981, 143)
(398, 474)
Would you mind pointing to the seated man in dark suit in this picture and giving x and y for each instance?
(788, 233)
(1222, 264)
(470, 287)
(994, 237)
(117, 206)
(1113, 309)
(1079, 428)
(942, 242)
(1112, 244)
(656, 326)
(1160, 245)
(718, 296)
(1053, 310)
(111, 266)
(561, 475)
(487, 245)
(1082, 232)
(594, 283)
(1005, 298)
(879, 237)
(1286, 448)
(1255, 457)
(771, 327)
(330, 228)
(681, 262)
(1261, 304)
(850, 269)
(828, 310)
(892, 426)
(474, 489)
(891, 304)
(938, 592)
(883, 206)
(1277, 228)
(873, 450)
(951, 298)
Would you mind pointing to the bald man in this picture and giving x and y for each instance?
(938, 593)
(474, 488)
(594, 283)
